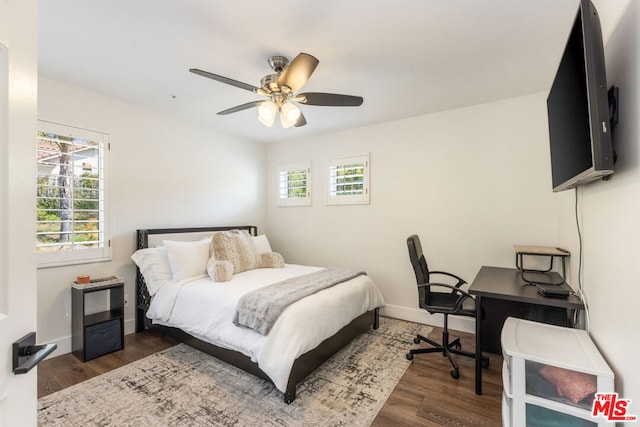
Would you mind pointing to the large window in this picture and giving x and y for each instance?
(349, 181)
(294, 185)
(72, 196)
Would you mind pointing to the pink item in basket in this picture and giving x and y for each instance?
(573, 385)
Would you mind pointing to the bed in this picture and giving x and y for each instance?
(297, 343)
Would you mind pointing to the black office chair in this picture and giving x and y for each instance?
(456, 301)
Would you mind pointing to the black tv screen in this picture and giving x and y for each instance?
(578, 108)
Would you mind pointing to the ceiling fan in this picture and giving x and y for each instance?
(281, 90)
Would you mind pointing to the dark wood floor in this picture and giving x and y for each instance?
(64, 371)
(428, 396)
(425, 396)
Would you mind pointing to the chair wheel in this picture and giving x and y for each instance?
(458, 346)
(416, 340)
(485, 363)
(409, 356)
(455, 374)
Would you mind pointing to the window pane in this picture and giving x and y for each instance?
(347, 179)
(294, 184)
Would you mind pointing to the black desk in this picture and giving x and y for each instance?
(500, 293)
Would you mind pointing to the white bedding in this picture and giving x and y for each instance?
(204, 309)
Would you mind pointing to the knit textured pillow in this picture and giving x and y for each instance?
(271, 260)
(219, 271)
(237, 247)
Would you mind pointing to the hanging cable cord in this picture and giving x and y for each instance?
(580, 292)
(579, 243)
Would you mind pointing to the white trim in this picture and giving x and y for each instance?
(456, 323)
(4, 186)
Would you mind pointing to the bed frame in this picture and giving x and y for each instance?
(303, 365)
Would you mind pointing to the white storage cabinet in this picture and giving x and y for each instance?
(550, 375)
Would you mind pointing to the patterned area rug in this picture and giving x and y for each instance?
(181, 386)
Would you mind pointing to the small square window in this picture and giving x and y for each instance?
(349, 181)
(294, 185)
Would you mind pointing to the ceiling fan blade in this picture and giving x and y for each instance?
(223, 79)
(240, 107)
(301, 121)
(298, 72)
(329, 99)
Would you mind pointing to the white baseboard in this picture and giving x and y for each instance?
(64, 346)
(129, 326)
(464, 324)
(456, 323)
(64, 343)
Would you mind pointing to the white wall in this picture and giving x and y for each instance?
(470, 182)
(610, 214)
(165, 172)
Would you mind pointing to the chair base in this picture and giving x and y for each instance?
(451, 347)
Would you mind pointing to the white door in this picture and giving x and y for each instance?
(18, 92)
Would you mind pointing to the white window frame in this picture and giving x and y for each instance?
(284, 199)
(81, 255)
(334, 195)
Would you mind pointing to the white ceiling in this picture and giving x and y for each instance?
(406, 58)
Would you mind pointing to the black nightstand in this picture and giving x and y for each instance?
(97, 334)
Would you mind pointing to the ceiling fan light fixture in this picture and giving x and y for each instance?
(267, 113)
(289, 114)
(280, 89)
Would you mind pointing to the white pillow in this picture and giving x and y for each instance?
(154, 266)
(262, 244)
(187, 259)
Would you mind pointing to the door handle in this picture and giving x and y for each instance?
(26, 354)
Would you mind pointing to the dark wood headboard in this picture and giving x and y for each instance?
(142, 241)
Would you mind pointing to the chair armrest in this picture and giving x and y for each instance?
(460, 280)
(462, 294)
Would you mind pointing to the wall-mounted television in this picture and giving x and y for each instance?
(578, 107)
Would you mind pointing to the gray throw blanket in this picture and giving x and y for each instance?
(260, 308)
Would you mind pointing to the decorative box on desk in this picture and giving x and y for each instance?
(550, 375)
(96, 334)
